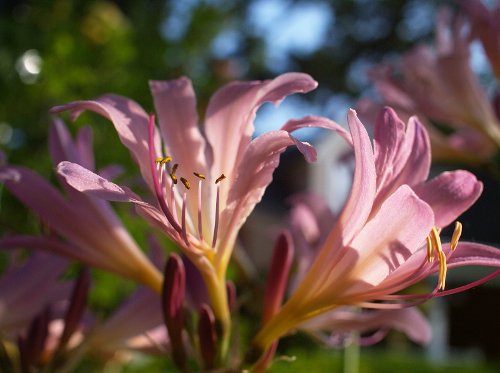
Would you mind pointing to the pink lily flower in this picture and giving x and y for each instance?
(218, 174)
(438, 83)
(27, 288)
(386, 237)
(486, 27)
(94, 233)
(137, 325)
(310, 222)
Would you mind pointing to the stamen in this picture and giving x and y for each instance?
(185, 182)
(435, 241)
(220, 178)
(456, 235)
(216, 224)
(154, 174)
(184, 233)
(174, 169)
(201, 176)
(200, 223)
(442, 270)
(163, 160)
(172, 174)
(430, 257)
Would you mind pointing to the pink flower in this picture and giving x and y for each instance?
(310, 222)
(438, 83)
(486, 27)
(206, 179)
(377, 246)
(93, 232)
(27, 288)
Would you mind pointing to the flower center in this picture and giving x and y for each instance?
(435, 250)
(169, 195)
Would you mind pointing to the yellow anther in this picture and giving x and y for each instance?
(185, 182)
(442, 270)
(456, 235)
(174, 169)
(201, 176)
(435, 249)
(430, 257)
(436, 240)
(174, 178)
(220, 178)
(163, 160)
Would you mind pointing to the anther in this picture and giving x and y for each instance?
(174, 169)
(220, 178)
(173, 177)
(198, 175)
(185, 182)
(430, 257)
(163, 160)
(456, 235)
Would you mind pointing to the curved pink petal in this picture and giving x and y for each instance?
(254, 175)
(389, 239)
(402, 153)
(450, 194)
(41, 197)
(96, 186)
(409, 321)
(26, 289)
(175, 105)
(360, 201)
(471, 253)
(355, 212)
(313, 121)
(129, 120)
(57, 247)
(231, 111)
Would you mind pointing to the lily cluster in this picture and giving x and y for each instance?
(438, 84)
(204, 181)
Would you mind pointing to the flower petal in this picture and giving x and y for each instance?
(130, 121)
(402, 153)
(471, 253)
(450, 194)
(94, 185)
(408, 320)
(360, 201)
(175, 104)
(254, 175)
(389, 239)
(231, 111)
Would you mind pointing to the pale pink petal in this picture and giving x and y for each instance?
(471, 253)
(231, 111)
(130, 121)
(450, 194)
(360, 201)
(83, 143)
(402, 153)
(254, 175)
(355, 212)
(409, 321)
(94, 185)
(41, 197)
(391, 237)
(61, 144)
(26, 289)
(312, 121)
(58, 247)
(175, 105)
